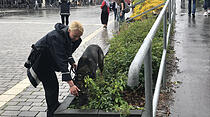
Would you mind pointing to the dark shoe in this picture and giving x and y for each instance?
(193, 15)
(189, 14)
(50, 113)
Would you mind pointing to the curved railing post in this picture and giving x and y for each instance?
(148, 82)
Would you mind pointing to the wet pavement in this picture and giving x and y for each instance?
(18, 32)
(192, 48)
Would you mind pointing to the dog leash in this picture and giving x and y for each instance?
(73, 70)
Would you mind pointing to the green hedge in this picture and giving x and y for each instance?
(107, 92)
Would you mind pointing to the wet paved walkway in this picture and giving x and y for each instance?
(192, 37)
(17, 33)
(192, 48)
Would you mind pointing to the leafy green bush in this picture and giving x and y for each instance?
(108, 92)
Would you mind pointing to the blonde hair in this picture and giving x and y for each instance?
(75, 25)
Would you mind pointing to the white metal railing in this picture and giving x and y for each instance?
(144, 54)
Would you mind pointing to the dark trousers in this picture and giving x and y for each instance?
(63, 17)
(115, 14)
(189, 7)
(104, 17)
(47, 76)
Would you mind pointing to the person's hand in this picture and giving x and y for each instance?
(120, 13)
(74, 90)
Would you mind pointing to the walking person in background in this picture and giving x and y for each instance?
(105, 12)
(36, 4)
(65, 11)
(121, 3)
(206, 7)
(53, 53)
(114, 8)
(191, 11)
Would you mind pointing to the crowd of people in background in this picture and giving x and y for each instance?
(117, 6)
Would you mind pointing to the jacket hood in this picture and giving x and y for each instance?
(60, 27)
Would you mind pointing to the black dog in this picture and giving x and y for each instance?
(92, 58)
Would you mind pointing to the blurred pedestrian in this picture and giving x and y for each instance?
(114, 8)
(105, 12)
(206, 7)
(36, 5)
(191, 11)
(51, 53)
(64, 11)
(121, 3)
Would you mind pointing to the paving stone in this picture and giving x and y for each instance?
(60, 97)
(29, 96)
(40, 97)
(24, 103)
(27, 114)
(36, 108)
(25, 108)
(38, 93)
(12, 103)
(1, 111)
(35, 100)
(19, 99)
(1, 92)
(26, 93)
(15, 108)
(42, 114)
(37, 104)
(44, 104)
(10, 113)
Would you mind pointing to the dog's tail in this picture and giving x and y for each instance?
(100, 59)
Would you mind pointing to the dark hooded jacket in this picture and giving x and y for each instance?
(60, 47)
(64, 7)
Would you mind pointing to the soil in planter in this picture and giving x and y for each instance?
(135, 98)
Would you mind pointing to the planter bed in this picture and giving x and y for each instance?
(63, 111)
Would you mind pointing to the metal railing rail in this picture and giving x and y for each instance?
(144, 54)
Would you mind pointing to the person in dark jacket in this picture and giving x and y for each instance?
(64, 11)
(54, 53)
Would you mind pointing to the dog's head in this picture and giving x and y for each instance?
(83, 68)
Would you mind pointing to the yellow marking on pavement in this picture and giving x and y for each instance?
(11, 93)
(19, 87)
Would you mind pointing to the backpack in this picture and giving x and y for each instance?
(127, 8)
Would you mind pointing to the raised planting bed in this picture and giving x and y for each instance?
(64, 111)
